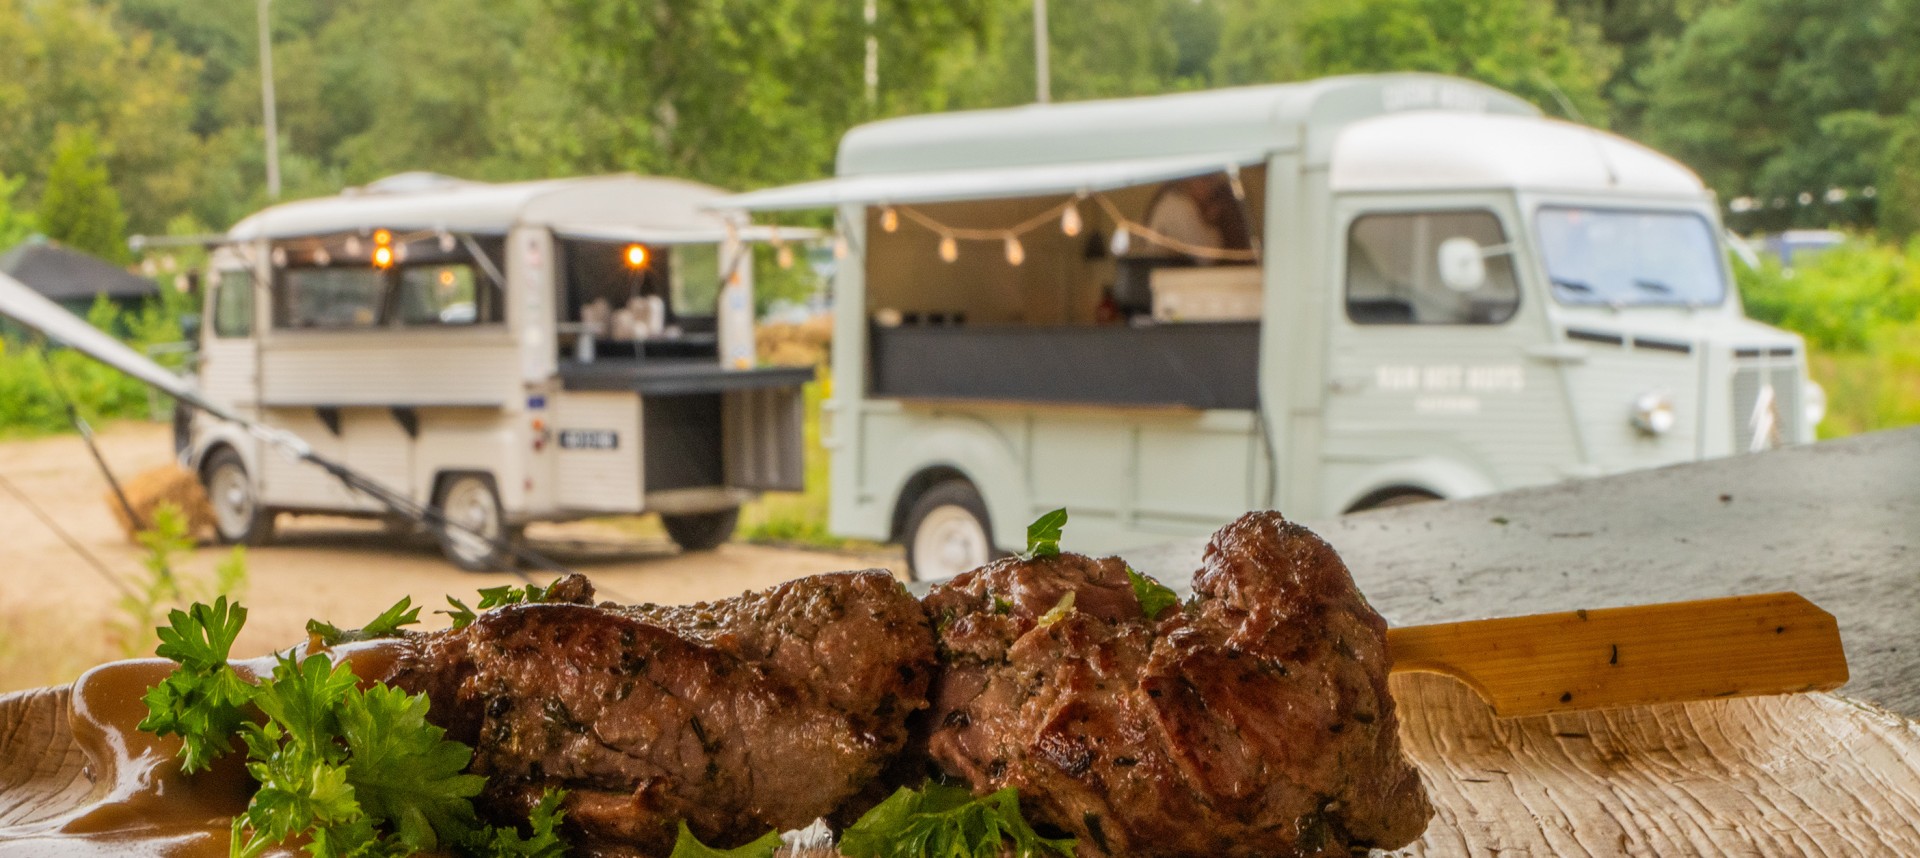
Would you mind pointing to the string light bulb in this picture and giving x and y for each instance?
(784, 256)
(383, 257)
(382, 237)
(949, 249)
(279, 257)
(635, 256)
(1122, 240)
(889, 219)
(1070, 222)
(322, 258)
(353, 245)
(446, 241)
(1016, 254)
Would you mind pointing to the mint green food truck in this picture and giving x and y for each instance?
(1318, 297)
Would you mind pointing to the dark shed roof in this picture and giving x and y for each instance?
(64, 274)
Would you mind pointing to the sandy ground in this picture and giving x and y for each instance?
(59, 615)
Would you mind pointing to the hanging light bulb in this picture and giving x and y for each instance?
(446, 241)
(1015, 253)
(949, 249)
(636, 256)
(784, 256)
(353, 245)
(889, 219)
(840, 248)
(1070, 220)
(383, 257)
(382, 237)
(279, 256)
(322, 258)
(1122, 240)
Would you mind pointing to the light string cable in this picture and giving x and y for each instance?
(1011, 235)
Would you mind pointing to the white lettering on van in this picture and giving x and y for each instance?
(1446, 405)
(1446, 378)
(1420, 95)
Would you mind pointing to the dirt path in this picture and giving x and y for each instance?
(58, 615)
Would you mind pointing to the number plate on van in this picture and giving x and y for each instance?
(589, 439)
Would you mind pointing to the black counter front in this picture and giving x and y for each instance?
(668, 377)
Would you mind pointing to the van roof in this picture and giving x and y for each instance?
(1268, 118)
(640, 208)
(1433, 150)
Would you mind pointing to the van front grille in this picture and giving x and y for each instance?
(1780, 423)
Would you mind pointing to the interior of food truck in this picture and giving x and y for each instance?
(626, 300)
(1144, 295)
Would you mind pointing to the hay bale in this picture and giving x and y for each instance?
(147, 490)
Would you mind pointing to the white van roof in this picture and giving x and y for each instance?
(1402, 131)
(1434, 150)
(617, 208)
(1098, 145)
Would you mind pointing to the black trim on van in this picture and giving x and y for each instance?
(1596, 337)
(1663, 345)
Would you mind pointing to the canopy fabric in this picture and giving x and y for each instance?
(947, 186)
(65, 274)
(643, 235)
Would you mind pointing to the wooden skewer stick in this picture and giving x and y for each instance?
(1776, 643)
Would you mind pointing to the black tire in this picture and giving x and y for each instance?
(238, 517)
(702, 531)
(1393, 497)
(476, 536)
(953, 545)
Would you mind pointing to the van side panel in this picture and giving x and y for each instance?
(596, 456)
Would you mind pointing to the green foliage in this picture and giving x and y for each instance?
(939, 821)
(685, 845)
(354, 772)
(386, 625)
(1858, 305)
(493, 597)
(1043, 535)
(1155, 597)
(15, 224)
(79, 207)
(162, 588)
(202, 701)
(1850, 298)
(33, 377)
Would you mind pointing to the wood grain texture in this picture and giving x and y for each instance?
(1773, 643)
(1800, 774)
(42, 769)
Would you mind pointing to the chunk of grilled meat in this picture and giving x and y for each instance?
(1253, 722)
(764, 711)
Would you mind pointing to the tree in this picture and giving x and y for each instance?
(1767, 99)
(79, 207)
(15, 225)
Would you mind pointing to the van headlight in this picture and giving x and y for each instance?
(1653, 413)
(1816, 404)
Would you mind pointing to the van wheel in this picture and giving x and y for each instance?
(703, 531)
(1393, 497)
(947, 532)
(477, 539)
(237, 514)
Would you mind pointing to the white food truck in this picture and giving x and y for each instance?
(1318, 297)
(508, 353)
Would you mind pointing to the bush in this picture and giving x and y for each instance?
(33, 377)
(1858, 306)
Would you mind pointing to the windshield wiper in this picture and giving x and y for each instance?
(1572, 285)
(1653, 286)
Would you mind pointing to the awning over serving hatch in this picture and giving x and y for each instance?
(648, 235)
(947, 186)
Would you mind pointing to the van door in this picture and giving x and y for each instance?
(1431, 384)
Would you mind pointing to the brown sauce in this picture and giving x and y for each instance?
(141, 804)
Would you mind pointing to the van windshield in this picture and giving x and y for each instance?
(1623, 258)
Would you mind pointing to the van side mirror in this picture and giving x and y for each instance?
(1463, 264)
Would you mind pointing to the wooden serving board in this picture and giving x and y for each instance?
(1778, 775)
(1793, 774)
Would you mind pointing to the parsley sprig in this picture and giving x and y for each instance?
(384, 626)
(1155, 597)
(495, 597)
(357, 772)
(1043, 535)
(939, 821)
